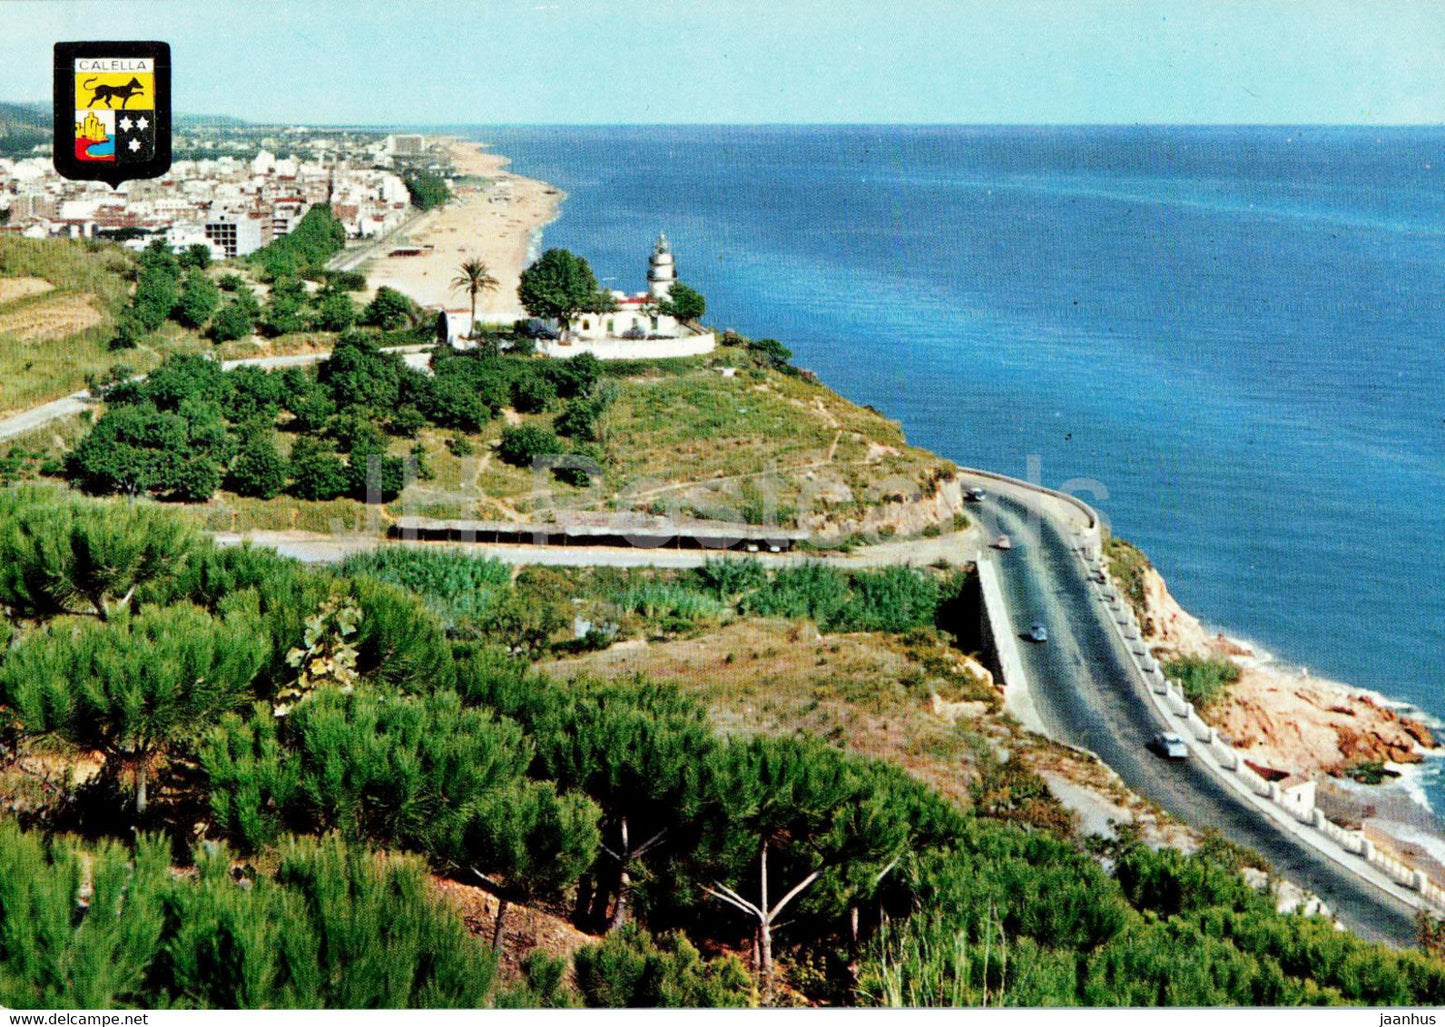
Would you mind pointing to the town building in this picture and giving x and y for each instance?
(238, 203)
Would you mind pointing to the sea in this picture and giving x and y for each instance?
(1231, 340)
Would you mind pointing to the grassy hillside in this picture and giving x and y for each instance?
(59, 302)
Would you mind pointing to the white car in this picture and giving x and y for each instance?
(1038, 633)
(1170, 746)
(975, 495)
(1003, 542)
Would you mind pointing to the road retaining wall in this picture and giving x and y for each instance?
(1291, 807)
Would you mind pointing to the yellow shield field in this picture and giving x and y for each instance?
(115, 91)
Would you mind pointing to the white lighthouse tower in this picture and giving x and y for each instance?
(660, 271)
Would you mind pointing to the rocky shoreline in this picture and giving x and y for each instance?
(1280, 717)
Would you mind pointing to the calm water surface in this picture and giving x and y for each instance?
(1237, 333)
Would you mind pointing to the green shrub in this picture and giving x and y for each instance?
(233, 321)
(666, 603)
(812, 591)
(457, 587)
(335, 311)
(523, 446)
(259, 470)
(389, 310)
(770, 352)
(198, 300)
(629, 969)
(107, 928)
(532, 394)
(373, 476)
(895, 599)
(1204, 679)
(317, 473)
(460, 445)
(577, 420)
(727, 579)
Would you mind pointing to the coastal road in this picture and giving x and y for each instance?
(1088, 695)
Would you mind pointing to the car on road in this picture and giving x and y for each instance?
(1170, 746)
(1038, 633)
(1002, 542)
(975, 495)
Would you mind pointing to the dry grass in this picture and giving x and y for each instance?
(872, 694)
(12, 289)
(50, 319)
(684, 440)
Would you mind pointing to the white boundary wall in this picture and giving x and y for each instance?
(633, 349)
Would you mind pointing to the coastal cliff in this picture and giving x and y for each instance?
(1280, 717)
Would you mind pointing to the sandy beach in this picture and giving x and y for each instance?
(496, 224)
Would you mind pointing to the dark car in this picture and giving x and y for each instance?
(1170, 746)
(536, 328)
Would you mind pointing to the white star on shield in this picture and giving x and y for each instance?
(134, 145)
(125, 124)
(141, 123)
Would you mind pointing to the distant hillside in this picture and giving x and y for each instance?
(23, 125)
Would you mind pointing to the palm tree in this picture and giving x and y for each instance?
(475, 277)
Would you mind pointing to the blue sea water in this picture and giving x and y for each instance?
(1237, 335)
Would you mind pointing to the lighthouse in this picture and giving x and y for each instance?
(660, 271)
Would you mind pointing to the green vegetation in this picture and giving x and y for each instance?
(1128, 566)
(104, 926)
(630, 969)
(191, 427)
(523, 447)
(427, 189)
(684, 303)
(458, 588)
(1204, 680)
(561, 285)
(390, 310)
(305, 249)
(264, 702)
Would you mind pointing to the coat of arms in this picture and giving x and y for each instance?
(112, 110)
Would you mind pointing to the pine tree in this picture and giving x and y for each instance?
(78, 930)
(132, 689)
(637, 749)
(72, 557)
(796, 810)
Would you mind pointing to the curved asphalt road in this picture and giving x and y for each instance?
(1084, 688)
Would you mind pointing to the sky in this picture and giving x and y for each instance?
(784, 61)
